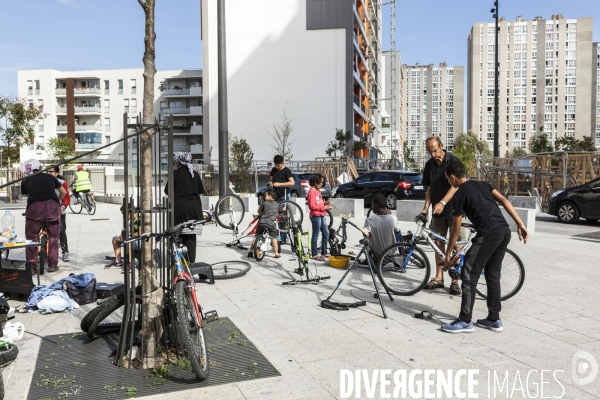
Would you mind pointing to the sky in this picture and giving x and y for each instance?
(102, 34)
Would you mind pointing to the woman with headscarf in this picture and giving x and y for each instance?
(187, 186)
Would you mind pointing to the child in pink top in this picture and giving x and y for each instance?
(318, 209)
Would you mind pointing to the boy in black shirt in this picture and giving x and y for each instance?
(281, 178)
(477, 200)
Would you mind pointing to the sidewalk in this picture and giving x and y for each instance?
(555, 315)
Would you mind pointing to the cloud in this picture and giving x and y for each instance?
(70, 3)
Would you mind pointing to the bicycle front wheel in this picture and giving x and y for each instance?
(43, 256)
(230, 269)
(74, 206)
(329, 219)
(91, 205)
(259, 253)
(190, 329)
(229, 211)
(292, 212)
(512, 277)
(402, 271)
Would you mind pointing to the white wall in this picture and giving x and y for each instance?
(273, 61)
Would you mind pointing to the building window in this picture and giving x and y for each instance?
(106, 105)
(120, 81)
(133, 86)
(107, 139)
(107, 124)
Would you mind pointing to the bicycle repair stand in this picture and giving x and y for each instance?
(327, 303)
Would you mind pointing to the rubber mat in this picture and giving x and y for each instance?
(589, 235)
(76, 367)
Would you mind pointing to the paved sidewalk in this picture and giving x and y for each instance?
(555, 315)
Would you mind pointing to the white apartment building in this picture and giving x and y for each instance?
(390, 143)
(88, 106)
(434, 106)
(596, 92)
(317, 60)
(545, 80)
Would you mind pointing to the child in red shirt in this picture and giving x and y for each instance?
(318, 209)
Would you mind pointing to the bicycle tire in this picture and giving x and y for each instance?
(293, 212)
(230, 269)
(92, 205)
(369, 212)
(188, 320)
(87, 320)
(229, 211)
(1, 387)
(329, 218)
(507, 266)
(74, 206)
(105, 309)
(43, 256)
(259, 254)
(8, 353)
(415, 276)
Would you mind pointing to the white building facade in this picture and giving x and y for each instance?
(88, 106)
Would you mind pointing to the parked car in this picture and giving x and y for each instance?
(300, 188)
(394, 185)
(582, 201)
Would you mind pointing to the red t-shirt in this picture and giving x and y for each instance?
(316, 205)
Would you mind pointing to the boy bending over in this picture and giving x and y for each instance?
(267, 223)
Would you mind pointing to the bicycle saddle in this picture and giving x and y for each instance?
(468, 225)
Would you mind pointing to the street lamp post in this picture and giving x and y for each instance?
(495, 14)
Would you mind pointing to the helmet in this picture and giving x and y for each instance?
(79, 167)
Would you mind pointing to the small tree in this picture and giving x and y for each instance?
(468, 145)
(60, 149)
(20, 119)
(283, 144)
(406, 153)
(518, 152)
(241, 159)
(540, 144)
(340, 144)
(571, 144)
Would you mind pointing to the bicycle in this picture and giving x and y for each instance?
(87, 201)
(263, 244)
(43, 249)
(404, 267)
(229, 210)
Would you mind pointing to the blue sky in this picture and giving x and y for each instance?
(92, 34)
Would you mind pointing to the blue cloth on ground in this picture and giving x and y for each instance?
(40, 292)
(58, 301)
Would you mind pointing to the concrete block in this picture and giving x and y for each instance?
(301, 201)
(526, 202)
(208, 201)
(527, 215)
(407, 210)
(356, 207)
(109, 199)
(251, 204)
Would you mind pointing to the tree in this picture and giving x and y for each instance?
(571, 144)
(283, 144)
(19, 118)
(60, 149)
(467, 146)
(540, 144)
(241, 160)
(339, 144)
(518, 152)
(406, 153)
(151, 289)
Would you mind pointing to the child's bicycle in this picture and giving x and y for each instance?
(237, 237)
(404, 267)
(302, 254)
(263, 244)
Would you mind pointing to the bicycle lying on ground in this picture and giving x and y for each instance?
(404, 267)
(87, 201)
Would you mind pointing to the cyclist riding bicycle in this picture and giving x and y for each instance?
(82, 183)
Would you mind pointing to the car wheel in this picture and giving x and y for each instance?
(261, 199)
(567, 212)
(339, 195)
(391, 200)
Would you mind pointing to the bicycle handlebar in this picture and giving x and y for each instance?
(169, 232)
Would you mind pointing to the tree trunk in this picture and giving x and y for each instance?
(149, 285)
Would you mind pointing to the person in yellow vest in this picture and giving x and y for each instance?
(82, 182)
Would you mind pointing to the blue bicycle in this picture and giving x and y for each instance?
(404, 267)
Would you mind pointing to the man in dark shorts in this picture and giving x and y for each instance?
(281, 179)
(478, 201)
(439, 194)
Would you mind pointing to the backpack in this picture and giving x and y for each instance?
(82, 295)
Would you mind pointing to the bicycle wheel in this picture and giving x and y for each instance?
(401, 277)
(100, 313)
(43, 255)
(229, 211)
(93, 314)
(259, 253)
(512, 276)
(369, 212)
(74, 206)
(91, 209)
(190, 329)
(292, 211)
(8, 353)
(230, 269)
(329, 219)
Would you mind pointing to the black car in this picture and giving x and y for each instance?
(576, 202)
(394, 185)
(300, 188)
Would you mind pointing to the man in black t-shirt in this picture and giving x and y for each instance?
(43, 207)
(477, 200)
(439, 194)
(281, 178)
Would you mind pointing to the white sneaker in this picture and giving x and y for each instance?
(66, 257)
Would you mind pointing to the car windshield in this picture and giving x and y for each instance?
(412, 178)
(304, 177)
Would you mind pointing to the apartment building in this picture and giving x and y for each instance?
(545, 78)
(434, 106)
(88, 106)
(388, 142)
(317, 60)
(596, 93)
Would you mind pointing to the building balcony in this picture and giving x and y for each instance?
(196, 130)
(81, 128)
(357, 19)
(176, 148)
(79, 92)
(88, 110)
(87, 146)
(196, 149)
(359, 79)
(180, 92)
(174, 110)
(360, 53)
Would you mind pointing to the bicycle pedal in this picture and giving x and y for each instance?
(210, 316)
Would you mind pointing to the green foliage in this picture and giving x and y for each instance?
(518, 152)
(60, 149)
(241, 155)
(467, 146)
(406, 152)
(283, 143)
(340, 144)
(20, 119)
(540, 144)
(571, 144)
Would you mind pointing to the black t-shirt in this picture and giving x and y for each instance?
(40, 187)
(281, 176)
(475, 199)
(434, 176)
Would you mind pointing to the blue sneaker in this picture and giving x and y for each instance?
(458, 326)
(494, 326)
